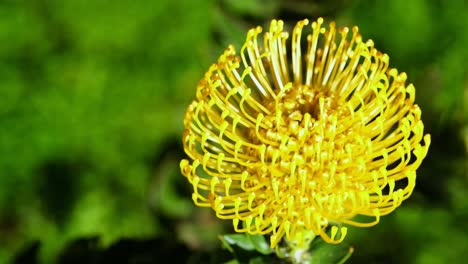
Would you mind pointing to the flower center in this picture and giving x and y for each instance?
(296, 145)
(302, 99)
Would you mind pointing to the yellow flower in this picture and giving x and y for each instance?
(294, 136)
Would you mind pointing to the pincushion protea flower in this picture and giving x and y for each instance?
(287, 140)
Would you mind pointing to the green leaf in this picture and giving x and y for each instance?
(240, 240)
(281, 252)
(324, 253)
(247, 242)
(260, 244)
(232, 261)
(259, 260)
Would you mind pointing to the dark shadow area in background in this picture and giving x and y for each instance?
(447, 147)
(58, 187)
(28, 254)
(88, 250)
(171, 149)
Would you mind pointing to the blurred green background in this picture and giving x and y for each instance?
(92, 101)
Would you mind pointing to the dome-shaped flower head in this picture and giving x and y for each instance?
(300, 133)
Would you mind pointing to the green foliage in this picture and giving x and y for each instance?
(247, 242)
(323, 253)
(93, 88)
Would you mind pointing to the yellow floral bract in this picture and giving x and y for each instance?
(295, 135)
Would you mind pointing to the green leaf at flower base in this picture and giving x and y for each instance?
(240, 240)
(260, 260)
(324, 253)
(246, 242)
(260, 244)
(255, 260)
